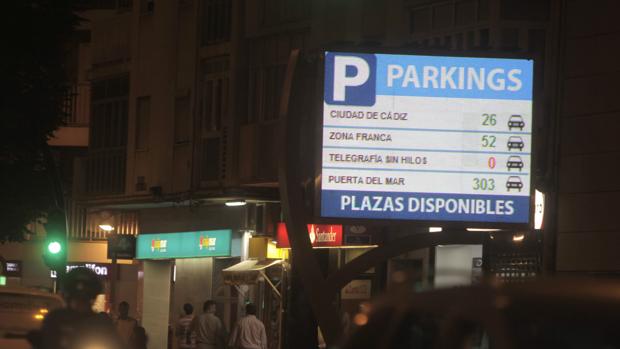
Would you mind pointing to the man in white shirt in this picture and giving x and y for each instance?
(249, 333)
(210, 333)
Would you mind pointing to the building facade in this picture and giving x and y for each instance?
(184, 99)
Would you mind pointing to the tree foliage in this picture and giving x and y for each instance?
(32, 70)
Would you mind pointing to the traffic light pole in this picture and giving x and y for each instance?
(60, 268)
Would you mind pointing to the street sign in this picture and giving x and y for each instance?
(121, 246)
(101, 269)
(211, 243)
(431, 138)
(321, 235)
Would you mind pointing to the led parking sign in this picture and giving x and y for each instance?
(427, 138)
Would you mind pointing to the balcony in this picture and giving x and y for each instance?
(102, 172)
(76, 107)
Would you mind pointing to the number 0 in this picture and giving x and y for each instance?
(492, 162)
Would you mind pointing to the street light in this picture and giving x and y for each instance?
(106, 227)
(234, 203)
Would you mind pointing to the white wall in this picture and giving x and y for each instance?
(453, 264)
(156, 302)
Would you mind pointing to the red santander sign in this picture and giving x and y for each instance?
(321, 235)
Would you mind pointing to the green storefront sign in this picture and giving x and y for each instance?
(211, 243)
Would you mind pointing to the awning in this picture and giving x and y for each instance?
(247, 272)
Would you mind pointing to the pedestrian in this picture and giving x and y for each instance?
(125, 324)
(139, 338)
(210, 333)
(77, 325)
(249, 333)
(185, 336)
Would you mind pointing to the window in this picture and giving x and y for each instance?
(420, 20)
(143, 112)
(147, 6)
(510, 38)
(69, 105)
(471, 38)
(266, 85)
(273, 12)
(484, 38)
(465, 12)
(268, 61)
(106, 160)
(214, 94)
(442, 16)
(526, 10)
(210, 162)
(216, 21)
(109, 113)
(125, 5)
(182, 119)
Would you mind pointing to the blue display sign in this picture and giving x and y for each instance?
(427, 138)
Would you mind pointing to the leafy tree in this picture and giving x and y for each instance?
(35, 38)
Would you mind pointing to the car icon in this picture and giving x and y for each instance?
(516, 121)
(514, 162)
(515, 142)
(514, 182)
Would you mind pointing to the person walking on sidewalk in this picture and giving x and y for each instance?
(249, 333)
(186, 337)
(210, 333)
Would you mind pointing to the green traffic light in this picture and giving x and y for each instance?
(54, 247)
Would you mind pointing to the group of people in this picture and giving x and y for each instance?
(206, 331)
(76, 326)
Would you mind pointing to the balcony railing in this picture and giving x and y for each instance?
(105, 171)
(76, 106)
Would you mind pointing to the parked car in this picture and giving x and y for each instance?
(537, 314)
(514, 182)
(514, 162)
(21, 311)
(515, 142)
(516, 121)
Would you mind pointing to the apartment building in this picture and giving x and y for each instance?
(183, 109)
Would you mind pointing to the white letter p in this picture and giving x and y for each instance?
(341, 80)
